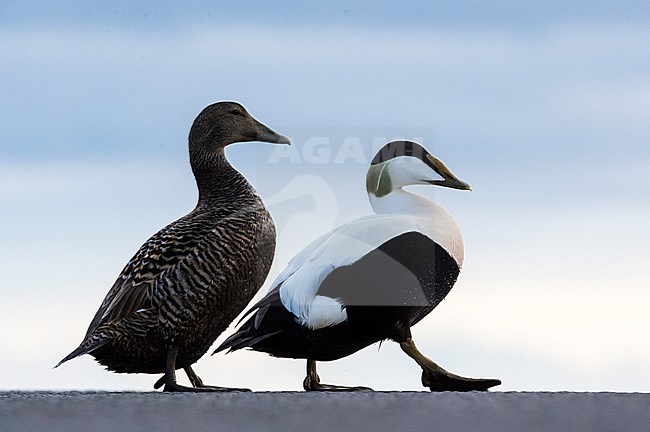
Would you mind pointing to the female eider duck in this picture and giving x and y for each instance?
(191, 279)
(368, 280)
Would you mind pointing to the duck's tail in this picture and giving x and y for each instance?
(86, 347)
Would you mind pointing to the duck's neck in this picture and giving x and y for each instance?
(218, 182)
(400, 201)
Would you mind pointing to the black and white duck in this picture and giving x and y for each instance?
(369, 280)
(188, 282)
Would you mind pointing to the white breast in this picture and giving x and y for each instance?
(434, 221)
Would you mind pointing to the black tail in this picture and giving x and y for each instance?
(241, 340)
(261, 325)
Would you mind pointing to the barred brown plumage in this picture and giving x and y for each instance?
(193, 277)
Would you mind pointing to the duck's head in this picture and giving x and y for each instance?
(224, 123)
(404, 163)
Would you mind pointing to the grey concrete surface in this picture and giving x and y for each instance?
(315, 412)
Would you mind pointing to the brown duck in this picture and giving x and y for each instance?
(192, 278)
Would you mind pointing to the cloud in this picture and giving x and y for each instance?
(121, 88)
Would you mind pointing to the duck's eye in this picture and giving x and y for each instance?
(236, 112)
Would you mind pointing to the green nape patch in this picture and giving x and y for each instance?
(378, 180)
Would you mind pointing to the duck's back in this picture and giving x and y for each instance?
(185, 285)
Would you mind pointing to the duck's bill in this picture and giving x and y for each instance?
(449, 179)
(266, 134)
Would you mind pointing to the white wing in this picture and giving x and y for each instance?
(342, 246)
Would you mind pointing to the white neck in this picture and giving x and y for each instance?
(433, 220)
(400, 201)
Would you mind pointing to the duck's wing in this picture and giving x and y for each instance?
(299, 284)
(295, 299)
(185, 253)
(133, 289)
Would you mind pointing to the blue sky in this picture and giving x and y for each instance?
(543, 108)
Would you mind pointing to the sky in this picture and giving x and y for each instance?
(542, 107)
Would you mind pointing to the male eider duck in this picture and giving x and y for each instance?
(368, 280)
(192, 278)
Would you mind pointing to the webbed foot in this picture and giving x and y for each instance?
(170, 384)
(438, 379)
(312, 382)
(197, 383)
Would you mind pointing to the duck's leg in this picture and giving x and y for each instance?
(438, 379)
(197, 383)
(169, 379)
(170, 373)
(312, 382)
